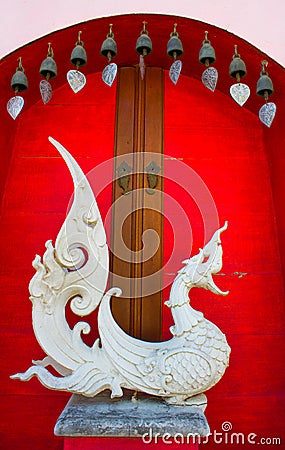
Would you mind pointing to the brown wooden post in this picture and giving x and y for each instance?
(139, 141)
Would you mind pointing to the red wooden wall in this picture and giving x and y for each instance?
(209, 140)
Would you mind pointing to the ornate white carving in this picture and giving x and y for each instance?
(142, 67)
(76, 270)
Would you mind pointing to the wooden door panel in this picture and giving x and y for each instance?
(139, 142)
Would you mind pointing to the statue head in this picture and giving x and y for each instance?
(200, 268)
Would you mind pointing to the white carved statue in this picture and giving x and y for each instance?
(75, 270)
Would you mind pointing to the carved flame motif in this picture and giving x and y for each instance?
(76, 270)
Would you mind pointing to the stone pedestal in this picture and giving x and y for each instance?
(101, 422)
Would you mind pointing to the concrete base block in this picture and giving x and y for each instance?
(128, 417)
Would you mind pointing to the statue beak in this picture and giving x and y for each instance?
(214, 288)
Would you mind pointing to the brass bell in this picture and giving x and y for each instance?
(207, 54)
(48, 67)
(237, 66)
(174, 45)
(109, 46)
(78, 54)
(264, 86)
(144, 44)
(19, 81)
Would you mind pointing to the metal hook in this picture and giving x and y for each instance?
(79, 42)
(20, 66)
(264, 64)
(144, 30)
(174, 32)
(236, 54)
(110, 34)
(50, 50)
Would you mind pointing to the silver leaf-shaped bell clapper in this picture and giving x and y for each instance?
(109, 74)
(267, 113)
(142, 67)
(210, 78)
(240, 93)
(46, 91)
(109, 50)
(175, 70)
(15, 106)
(76, 80)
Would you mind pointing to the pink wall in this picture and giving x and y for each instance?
(260, 22)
